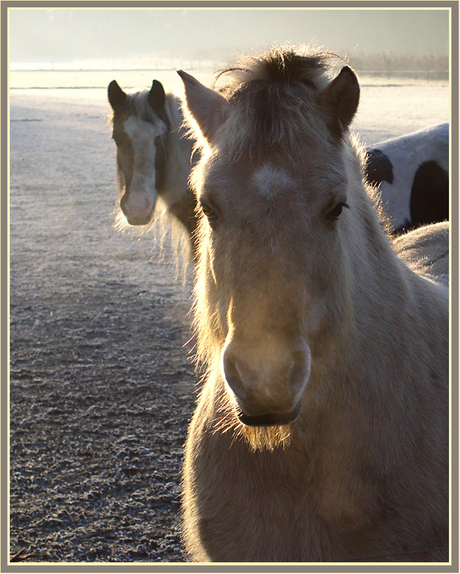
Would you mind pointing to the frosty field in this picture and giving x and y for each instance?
(102, 387)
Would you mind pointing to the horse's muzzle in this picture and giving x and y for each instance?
(137, 207)
(266, 384)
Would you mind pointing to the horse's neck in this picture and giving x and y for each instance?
(391, 306)
(389, 352)
(179, 153)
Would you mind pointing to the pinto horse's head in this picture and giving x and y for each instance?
(272, 187)
(140, 126)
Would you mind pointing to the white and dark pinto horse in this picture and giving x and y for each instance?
(321, 430)
(153, 157)
(412, 173)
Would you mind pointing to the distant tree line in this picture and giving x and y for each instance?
(392, 64)
(386, 64)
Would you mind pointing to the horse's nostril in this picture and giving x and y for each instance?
(301, 366)
(232, 374)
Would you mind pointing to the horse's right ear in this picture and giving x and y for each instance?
(117, 97)
(204, 105)
(157, 96)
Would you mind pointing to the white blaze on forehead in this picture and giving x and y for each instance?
(142, 196)
(138, 129)
(270, 180)
(142, 135)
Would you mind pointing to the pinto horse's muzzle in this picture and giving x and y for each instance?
(138, 205)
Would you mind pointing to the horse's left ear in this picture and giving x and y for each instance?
(204, 105)
(117, 97)
(339, 101)
(157, 96)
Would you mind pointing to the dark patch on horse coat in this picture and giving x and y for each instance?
(378, 167)
(429, 199)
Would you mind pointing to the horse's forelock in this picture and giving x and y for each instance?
(138, 105)
(272, 100)
(279, 65)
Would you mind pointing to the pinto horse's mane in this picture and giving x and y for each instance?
(137, 104)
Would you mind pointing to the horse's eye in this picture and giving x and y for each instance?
(335, 213)
(208, 212)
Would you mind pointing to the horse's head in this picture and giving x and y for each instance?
(140, 126)
(273, 190)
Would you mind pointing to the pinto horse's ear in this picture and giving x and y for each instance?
(339, 101)
(204, 105)
(157, 97)
(117, 97)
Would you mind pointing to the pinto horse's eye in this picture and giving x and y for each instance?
(335, 213)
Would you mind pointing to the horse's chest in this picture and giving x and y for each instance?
(244, 505)
(280, 505)
(253, 517)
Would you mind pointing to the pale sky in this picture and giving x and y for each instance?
(42, 35)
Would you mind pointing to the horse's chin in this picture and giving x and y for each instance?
(270, 419)
(267, 438)
(137, 221)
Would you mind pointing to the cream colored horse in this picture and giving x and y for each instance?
(321, 431)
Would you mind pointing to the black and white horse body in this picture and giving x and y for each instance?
(412, 172)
